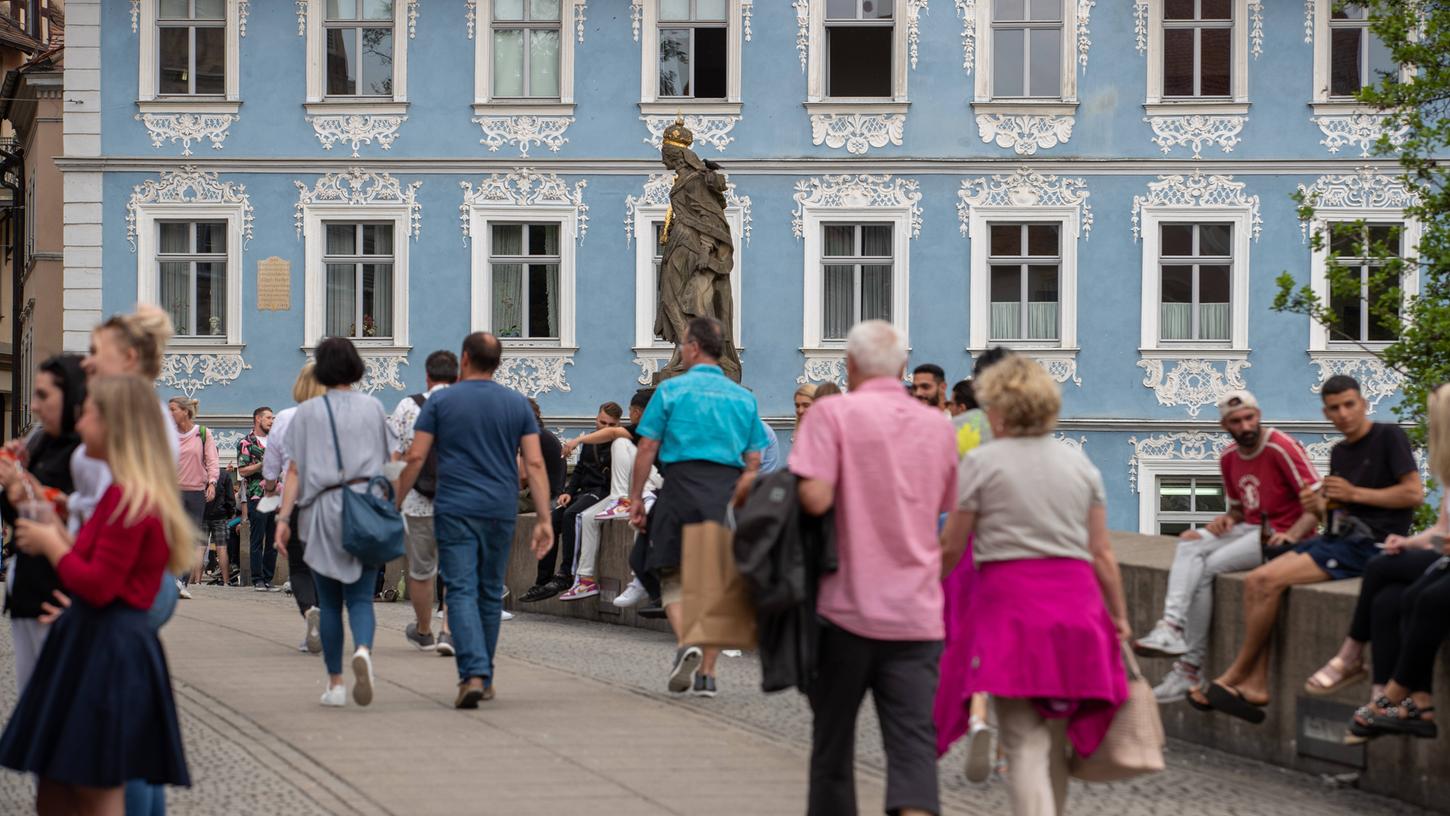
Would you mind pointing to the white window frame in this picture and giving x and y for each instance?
(1321, 101)
(148, 97)
(484, 102)
(1065, 103)
(816, 100)
(357, 260)
(148, 274)
(645, 298)
(1149, 474)
(1242, 219)
(813, 220)
(979, 314)
(1319, 268)
(652, 104)
(480, 219)
(1236, 104)
(314, 240)
(319, 103)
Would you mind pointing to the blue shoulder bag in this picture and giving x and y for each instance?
(372, 527)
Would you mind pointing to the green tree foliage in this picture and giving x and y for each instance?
(1417, 32)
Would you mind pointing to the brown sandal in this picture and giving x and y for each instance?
(1333, 676)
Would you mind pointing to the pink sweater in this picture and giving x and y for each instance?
(196, 466)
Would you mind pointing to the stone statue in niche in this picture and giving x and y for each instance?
(699, 252)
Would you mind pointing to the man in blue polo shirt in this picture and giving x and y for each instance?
(705, 431)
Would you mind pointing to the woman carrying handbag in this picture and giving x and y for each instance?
(319, 473)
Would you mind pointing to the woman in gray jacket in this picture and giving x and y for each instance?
(320, 468)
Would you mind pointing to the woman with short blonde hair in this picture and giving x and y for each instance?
(1046, 615)
(805, 397)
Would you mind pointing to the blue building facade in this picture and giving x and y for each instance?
(1106, 186)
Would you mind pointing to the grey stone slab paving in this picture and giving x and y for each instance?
(582, 721)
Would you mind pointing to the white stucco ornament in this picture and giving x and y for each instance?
(190, 373)
(523, 131)
(1197, 190)
(1196, 131)
(381, 370)
(524, 187)
(857, 132)
(1192, 383)
(709, 129)
(862, 190)
(187, 128)
(360, 187)
(1364, 189)
(356, 129)
(1024, 187)
(967, 11)
(532, 375)
(1061, 369)
(656, 193)
(1079, 444)
(1025, 133)
(802, 30)
(188, 185)
(649, 366)
(824, 369)
(1376, 380)
(1190, 446)
(1362, 130)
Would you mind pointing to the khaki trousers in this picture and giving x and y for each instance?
(1036, 751)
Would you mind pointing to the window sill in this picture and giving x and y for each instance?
(514, 347)
(1049, 107)
(513, 107)
(698, 107)
(202, 345)
(839, 106)
(1354, 351)
(1193, 352)
(366, 347)
(1344, 107)
(182, 104)
(365, 108)
(1190, 107)
(1053, 350)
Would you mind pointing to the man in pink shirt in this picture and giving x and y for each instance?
(887, 465)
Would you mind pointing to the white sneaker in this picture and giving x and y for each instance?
(335, 696)
(362, 670)
(182, 592)
(313, 641)
(1166, 640)
(979, 752)
(1177, 683)
(506, 615)
(302, 647)
(633, 595)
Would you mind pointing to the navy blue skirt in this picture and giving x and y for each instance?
(99, 709)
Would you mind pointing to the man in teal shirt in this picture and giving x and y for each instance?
(705, 431)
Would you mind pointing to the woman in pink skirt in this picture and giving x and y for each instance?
(1046, 616)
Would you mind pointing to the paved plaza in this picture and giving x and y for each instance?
(582, 724)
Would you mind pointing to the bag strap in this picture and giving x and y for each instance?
(419, 399)
(336, 448)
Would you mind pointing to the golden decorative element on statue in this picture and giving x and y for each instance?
(677, 135)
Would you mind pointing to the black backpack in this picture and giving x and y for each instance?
(427, 483)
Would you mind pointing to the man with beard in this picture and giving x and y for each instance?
(1264, 473)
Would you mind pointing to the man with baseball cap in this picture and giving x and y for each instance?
(1264, 471)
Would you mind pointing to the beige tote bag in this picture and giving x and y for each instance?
(1134, 743)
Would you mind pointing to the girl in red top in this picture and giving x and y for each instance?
(99, 709)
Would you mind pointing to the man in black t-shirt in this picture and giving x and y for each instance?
(1371, 492)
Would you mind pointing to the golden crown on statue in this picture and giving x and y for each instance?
(677, 135)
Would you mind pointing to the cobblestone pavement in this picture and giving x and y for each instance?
(257, 742)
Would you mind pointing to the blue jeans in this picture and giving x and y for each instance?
(331, 595)
(263, 527)
(473, 557)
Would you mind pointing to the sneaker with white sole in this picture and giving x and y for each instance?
(979, 752)
(445, 645)
(1182, 679)
(182, 592)
(506, 615)
(633, 595)
(335, 696)
(362, 670)
(314, 630)
(687, 662)
(1166, 640)
(583, 588)
(420, 641)
(619, 509)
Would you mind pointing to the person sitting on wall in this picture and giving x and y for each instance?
(1264, 474)
(1370, 494)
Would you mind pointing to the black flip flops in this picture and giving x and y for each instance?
(1230, 701)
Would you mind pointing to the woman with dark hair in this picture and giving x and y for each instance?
(60, 391)
(320, 467)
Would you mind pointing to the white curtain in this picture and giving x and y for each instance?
(1213, 321)
(377, 301)
(508, 62)
(876, 292)
(341, 300)
(508, 293)
(1175, 321)
(1042, 321)
(544, 63)
(211, 297)
(839, 308)
(175, 297)
(1007, 320)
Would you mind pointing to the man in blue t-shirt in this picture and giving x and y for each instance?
(479, 427)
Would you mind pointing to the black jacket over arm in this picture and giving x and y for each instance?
(35, 578)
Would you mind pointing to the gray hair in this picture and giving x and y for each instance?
(878, 348)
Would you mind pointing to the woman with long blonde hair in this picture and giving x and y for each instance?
(66, 725)
(1403, 613)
